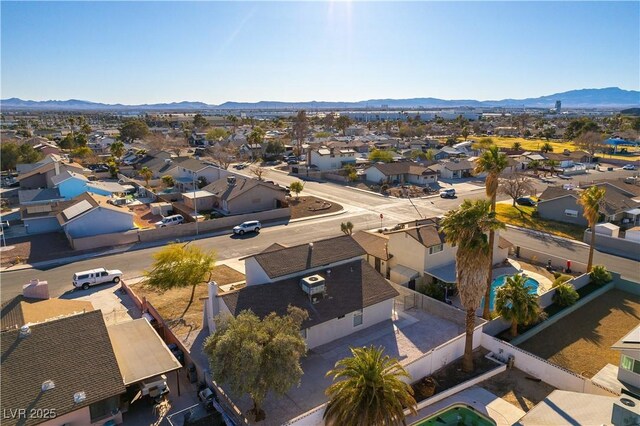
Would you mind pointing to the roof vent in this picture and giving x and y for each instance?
(231, 180)
(79, 397)
(25, 331)
(48, 385)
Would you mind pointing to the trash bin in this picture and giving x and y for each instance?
(192, 374)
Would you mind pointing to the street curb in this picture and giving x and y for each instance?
(120, 250)
(532, 231)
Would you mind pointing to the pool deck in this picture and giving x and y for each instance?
(483, 401)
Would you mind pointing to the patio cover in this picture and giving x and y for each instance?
(633, 212)
(405, 272)
(140, 352)
(446, 273)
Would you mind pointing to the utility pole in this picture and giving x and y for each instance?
(195, 200)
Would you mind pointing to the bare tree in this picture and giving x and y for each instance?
(590, 142)
(516, 185)
(259, 172)
(223, 156)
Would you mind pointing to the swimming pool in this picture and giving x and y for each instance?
(531, 284)
(456, 414)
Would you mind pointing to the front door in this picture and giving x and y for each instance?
(377, 264)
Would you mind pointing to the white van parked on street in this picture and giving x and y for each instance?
(86, 279)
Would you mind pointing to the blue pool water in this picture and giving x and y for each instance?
(531, 284)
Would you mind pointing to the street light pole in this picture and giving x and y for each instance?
(195, 201)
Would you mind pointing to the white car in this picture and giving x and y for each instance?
(628, 167)
(448, 193)
(250, 226)
(175, 219)
(86, 279)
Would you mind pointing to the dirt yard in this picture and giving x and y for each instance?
(581, 342)
(517, 388)
(36, 248)
(143, 216)
(171, 304)
(311, 206)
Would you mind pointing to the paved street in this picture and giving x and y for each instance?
(362, 208)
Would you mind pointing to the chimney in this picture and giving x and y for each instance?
(212, 305)
(231, 180)
(36, 289)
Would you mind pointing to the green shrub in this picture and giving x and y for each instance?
(565, 295)
(560, 279)
(599, 275)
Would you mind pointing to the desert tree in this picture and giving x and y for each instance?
(516, 185)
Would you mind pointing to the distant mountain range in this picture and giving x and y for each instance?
(610, 97)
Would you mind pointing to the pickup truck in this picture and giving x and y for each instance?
(86, 279)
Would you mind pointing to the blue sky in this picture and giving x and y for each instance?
(148, 52)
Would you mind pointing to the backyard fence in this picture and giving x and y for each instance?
(556, 376)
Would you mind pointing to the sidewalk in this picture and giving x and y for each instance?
(151, 244)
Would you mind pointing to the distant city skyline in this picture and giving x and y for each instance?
(214, 52)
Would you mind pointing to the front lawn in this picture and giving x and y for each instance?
(523, 216)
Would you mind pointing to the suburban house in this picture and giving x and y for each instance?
(620, 205)
(159, 162)
(629, 368)
(456, 169)
(47, 147)
(65, 367)
(198, 139)
(101, 144)
(569, 158)
(419, 250)
(401, 172)
(40, 174)
(376, 246)
(447, 152)
(356, 145)
(188, 171)
(90, 215)
(238, 195)
(330, 279)
(252, 150)
(326, 159)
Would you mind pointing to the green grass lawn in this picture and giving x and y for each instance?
(522, 216)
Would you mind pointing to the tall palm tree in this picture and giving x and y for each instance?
(492, 162)
(591, 199)
(370, 390)
(117, 149)
(535, 165)
(514, 303)
(466, 227)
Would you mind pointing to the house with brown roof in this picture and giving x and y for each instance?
(419, 251)
(238, 195)
(621, 204)
(330, 279)
(401, 172)
(40, 174)
(64, 369)
(188, 171)
(455, 169)
(376, 246)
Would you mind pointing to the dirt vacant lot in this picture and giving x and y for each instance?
(581, 341)
(171, 303)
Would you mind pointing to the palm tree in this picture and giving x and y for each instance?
(591, 199)
(117, 149)
(514, 303)
(546, 147)
(535, 165)
(370, 391)
(146, 174)
(552, 164)
(466, 227)
(516, 146)
(492, 162)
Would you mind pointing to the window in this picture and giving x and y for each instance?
(571, 213)
(435, 249)
(105, 408)
(630, 364)
(103, 274)
(357, 318)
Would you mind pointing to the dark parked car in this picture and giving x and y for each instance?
(526, 201)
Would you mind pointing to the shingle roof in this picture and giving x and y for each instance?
(349, 287)
(373, 244)
(224, 191)
(457, 165)
(192, 164)
(22, 310)
(37, 195)
(556, 192)
(74, 352)
(299, 258)
(426, 235)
